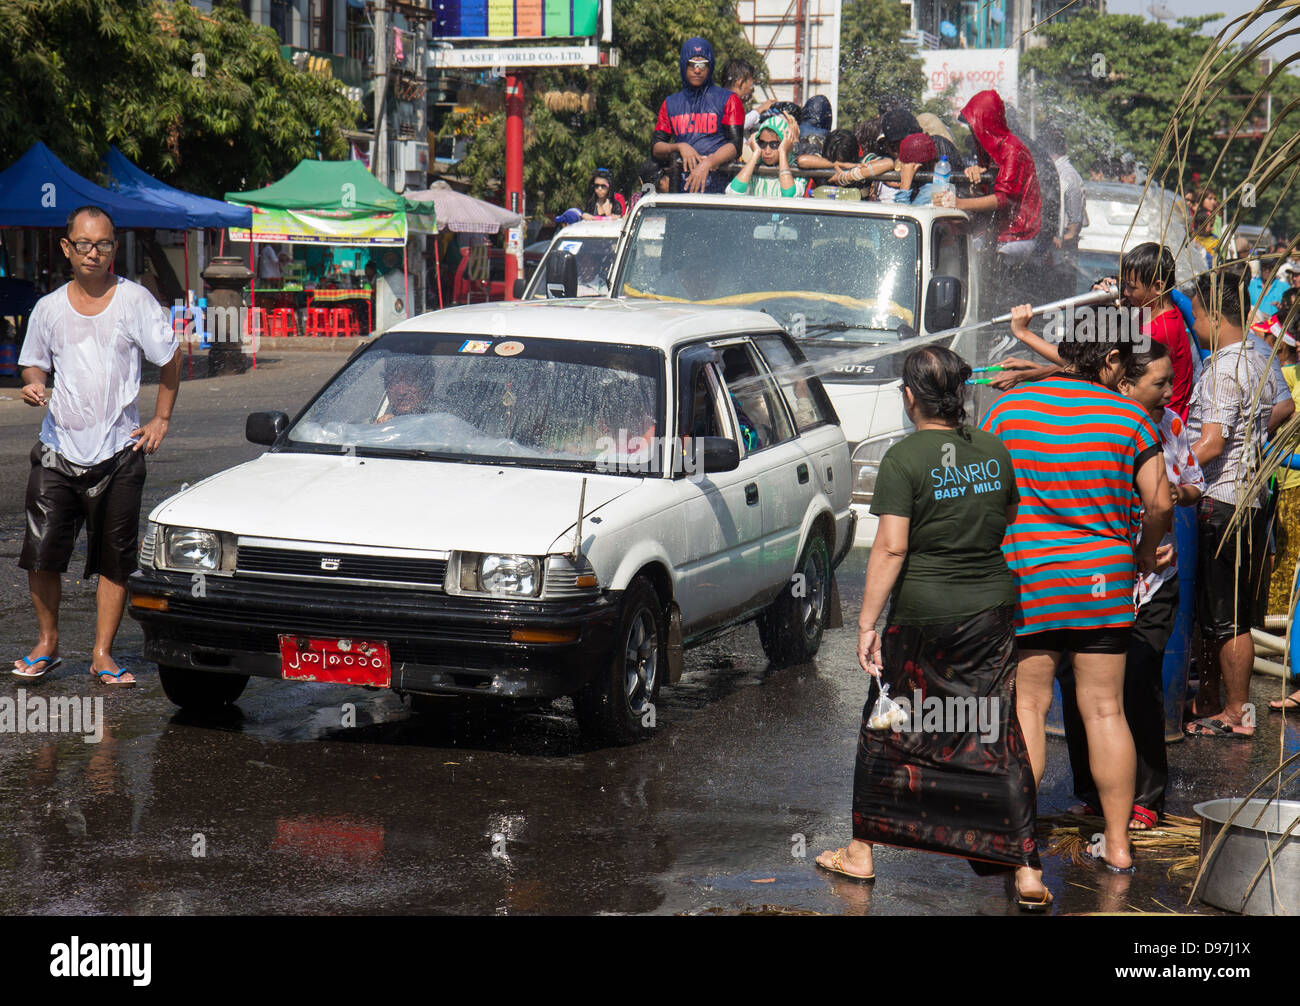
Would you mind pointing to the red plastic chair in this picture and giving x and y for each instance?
(318, 321)
(257, 321)
(343, 322)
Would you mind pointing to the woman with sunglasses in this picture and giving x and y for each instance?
(770, 147)
(600, 200)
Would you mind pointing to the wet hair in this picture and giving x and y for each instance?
(937, 378)
(91, 211)
(735, 71)
(1136, 365)
(868, 134)
(1284, 305)
(1228, 289)
(1087, 356)
(790, 108)
(840, 145)
(1149, 263)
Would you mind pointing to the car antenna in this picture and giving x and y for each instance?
(577, 535)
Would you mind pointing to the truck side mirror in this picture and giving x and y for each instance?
(943, 303)
(265, 427)
(519, 289)
(561, 275)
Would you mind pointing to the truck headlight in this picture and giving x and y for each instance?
(866, 465)
(499, 574)
(191, 548)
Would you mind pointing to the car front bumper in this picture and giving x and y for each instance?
(439, 644)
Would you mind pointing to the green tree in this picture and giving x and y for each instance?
(1113, 82)
(203, 101)
(564, 144)
(876, 67)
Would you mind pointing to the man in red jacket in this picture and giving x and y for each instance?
(1015, 201)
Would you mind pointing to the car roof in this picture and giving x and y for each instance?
(591, 229)
(594, 319)
(846, 207)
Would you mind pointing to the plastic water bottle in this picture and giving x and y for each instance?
(942, 174)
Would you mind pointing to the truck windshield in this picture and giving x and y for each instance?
(824, 276)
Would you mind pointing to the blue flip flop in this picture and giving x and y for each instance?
(1099, 861)
(117, 681)
(30, 675)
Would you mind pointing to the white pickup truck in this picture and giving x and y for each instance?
(849, 276)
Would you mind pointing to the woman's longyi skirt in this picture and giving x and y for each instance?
(956, 778)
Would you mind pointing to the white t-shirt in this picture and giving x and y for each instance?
(96, 361)
(268, 263)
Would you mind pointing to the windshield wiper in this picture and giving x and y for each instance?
(812, 332)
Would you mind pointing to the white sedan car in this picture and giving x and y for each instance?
(520, 501)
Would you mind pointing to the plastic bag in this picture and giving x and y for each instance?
(886, 714)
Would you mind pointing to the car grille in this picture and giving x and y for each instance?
(318, 564)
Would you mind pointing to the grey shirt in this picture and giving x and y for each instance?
(1226, 394)
(1072, 202)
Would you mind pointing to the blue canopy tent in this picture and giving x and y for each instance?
(39, 190)
(200, 211)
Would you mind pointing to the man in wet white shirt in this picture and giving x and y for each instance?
(88, 466)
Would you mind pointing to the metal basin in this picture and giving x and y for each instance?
(1228, 882)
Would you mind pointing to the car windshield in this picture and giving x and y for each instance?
(594, 256)
(824, 276)
(494, 399)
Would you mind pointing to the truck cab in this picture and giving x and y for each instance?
(842, 277)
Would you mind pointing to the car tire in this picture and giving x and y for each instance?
(792, 626)
(617, 705)
(201, 691)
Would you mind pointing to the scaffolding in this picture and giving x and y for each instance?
(799, 41)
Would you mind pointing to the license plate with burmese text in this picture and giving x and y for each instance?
(338, 661)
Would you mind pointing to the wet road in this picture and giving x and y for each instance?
(281, 808)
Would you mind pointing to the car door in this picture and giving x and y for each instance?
(721, 510)
(783, 471)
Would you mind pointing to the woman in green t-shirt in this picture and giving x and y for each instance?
(954, 775)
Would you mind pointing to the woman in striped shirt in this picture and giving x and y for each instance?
(1088, 461)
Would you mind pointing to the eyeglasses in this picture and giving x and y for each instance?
(698, 64)
(83, 247)
(769, 144)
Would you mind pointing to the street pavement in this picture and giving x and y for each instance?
(279, 808)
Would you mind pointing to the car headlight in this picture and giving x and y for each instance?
(866, 465)
(498, 574)
(192, 548)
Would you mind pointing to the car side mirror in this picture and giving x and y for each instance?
(713, 455)
(943, 297)
(265, 427)
(519, 289)
(561, 275)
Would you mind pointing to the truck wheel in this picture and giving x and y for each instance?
(791, 628)
(617, 704)
(201, 691)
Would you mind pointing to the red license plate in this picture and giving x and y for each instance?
(339, 661)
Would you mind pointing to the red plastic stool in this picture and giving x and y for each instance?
(284, 322)
(343, 322)
(257, 321)
(317, 322)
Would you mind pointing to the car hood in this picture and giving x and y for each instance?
(392, 503)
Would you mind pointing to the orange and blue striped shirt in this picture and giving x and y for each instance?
(1077, 447)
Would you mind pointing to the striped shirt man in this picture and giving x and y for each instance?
(1076, 446)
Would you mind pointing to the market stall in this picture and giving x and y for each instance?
(462, 214)
(330, 205)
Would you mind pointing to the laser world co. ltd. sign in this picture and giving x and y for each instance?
(487, 59)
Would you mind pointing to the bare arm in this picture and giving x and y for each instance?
(1157, 501)
(888, 554)
(1211, 444)
(35, 381)
(169, 381)
(1282, 411)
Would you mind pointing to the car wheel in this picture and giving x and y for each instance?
(617, 705)
(792, 626)
(201, 691)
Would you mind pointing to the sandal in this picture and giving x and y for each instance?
(1209, 727)
(36, 675)
(837, 866)
(1144, 818)
(117, 681)
(1099, 861)
(1030, 902)
(1288, 703)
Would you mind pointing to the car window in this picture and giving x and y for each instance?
(949, 253)
(759, 407)
(805, 396)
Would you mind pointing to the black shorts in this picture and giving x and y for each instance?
(105, 497)
(1103, 639)
(1228, 582)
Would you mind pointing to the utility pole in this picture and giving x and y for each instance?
(379, 162)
